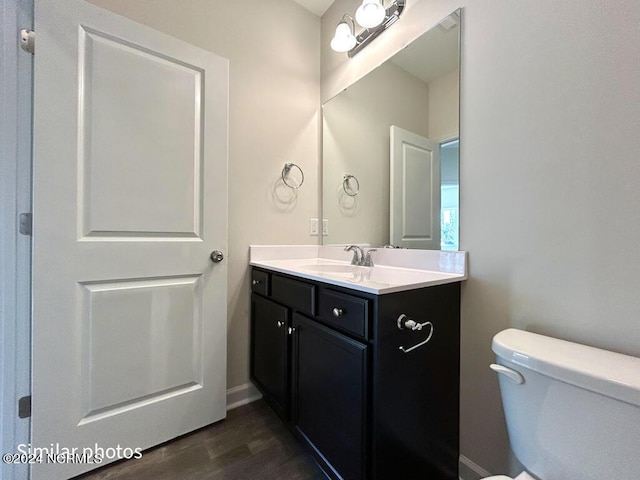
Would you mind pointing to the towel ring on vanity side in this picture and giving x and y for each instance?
(285, 173)
(405, 323)
(346, 185)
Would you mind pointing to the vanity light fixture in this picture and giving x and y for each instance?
(374, 17)
(345, 36)
(370, 14)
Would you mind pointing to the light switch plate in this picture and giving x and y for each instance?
(313, 226)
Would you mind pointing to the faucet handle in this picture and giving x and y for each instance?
(368, 261)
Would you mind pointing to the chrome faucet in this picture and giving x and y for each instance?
(358, 254)
(359, 257)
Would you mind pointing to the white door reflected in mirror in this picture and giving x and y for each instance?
(415, 190)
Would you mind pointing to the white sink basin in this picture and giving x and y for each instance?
(374, 275)
(319, 268)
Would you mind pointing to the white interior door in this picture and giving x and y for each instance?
(415, 190)
(130, 199)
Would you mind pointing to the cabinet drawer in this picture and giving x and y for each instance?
(297, 295)
(260, 282)
(345, 311)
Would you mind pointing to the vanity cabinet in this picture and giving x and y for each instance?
(270, 352)
(337, 365)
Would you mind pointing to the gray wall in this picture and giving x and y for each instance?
(443, 106)
(550, 178)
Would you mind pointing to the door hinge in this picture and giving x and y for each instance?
(24, 407)
(25, 224)
(28, 40)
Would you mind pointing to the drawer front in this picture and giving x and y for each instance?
(345, 311)
(297, 295)
(260, 282)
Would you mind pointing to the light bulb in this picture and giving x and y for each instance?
(343, 40)
(370, 14)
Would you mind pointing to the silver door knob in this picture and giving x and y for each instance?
(337, 312)
(217, 256)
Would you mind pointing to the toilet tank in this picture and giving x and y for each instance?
(576, 414)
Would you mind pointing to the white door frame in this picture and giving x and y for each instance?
(16, 89)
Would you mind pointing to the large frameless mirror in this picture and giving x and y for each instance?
(390, 149)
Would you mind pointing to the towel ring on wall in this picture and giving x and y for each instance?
(346, 185)
(285, 173)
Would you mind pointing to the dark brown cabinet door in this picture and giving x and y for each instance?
(269, 357)
(330, 393)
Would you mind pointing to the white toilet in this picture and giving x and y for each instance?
(572, 411)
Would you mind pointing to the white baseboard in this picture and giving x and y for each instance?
(241, 395)
(470, 470)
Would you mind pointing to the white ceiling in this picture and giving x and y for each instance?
(317, 7)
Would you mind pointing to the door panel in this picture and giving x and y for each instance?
(161, 352)
(130, 198)
(415, 190)
(155, 149)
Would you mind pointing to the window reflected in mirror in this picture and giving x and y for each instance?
(450, 195)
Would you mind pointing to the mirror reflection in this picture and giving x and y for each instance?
(394, 135)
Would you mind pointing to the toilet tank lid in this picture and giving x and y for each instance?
(612, 374)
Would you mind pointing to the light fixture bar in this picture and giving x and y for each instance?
(365, 37)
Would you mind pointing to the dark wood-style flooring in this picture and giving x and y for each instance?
(252, 443)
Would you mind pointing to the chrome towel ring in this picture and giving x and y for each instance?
(285, 174)
(347, 184)
(405, 323)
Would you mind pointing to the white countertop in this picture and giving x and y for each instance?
(395, 270)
